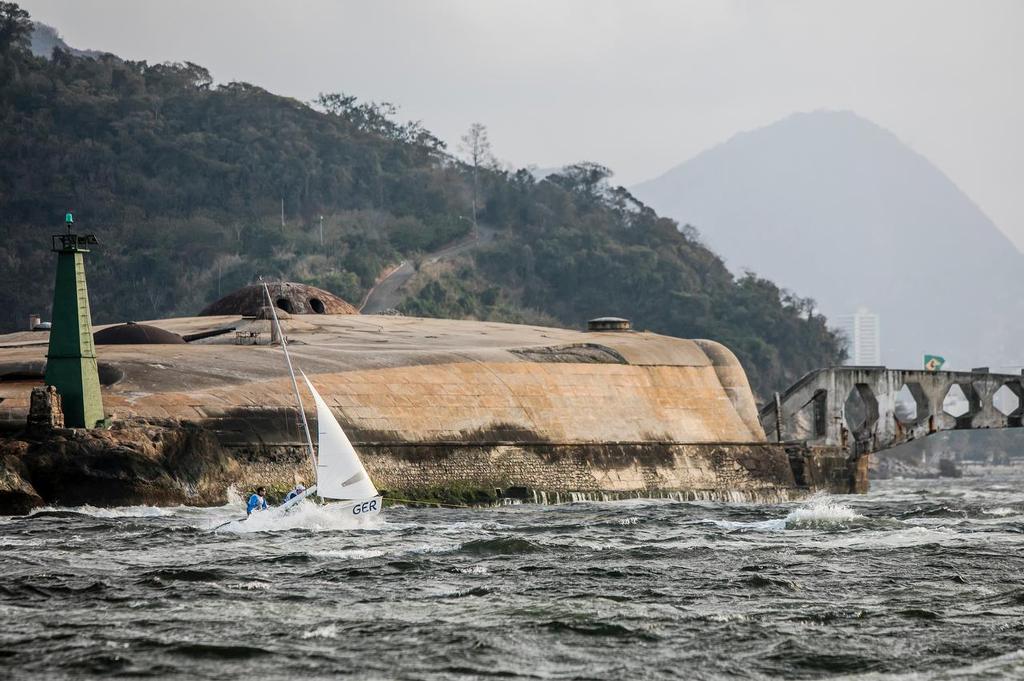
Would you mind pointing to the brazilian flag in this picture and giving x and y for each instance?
(933, 362)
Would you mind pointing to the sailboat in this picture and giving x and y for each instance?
(341, 477)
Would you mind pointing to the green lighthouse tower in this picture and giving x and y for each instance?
(71, 358)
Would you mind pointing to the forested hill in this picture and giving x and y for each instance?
(183, 182)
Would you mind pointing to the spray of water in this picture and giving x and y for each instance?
(823, 512)
(304, 516)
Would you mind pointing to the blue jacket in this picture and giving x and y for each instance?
(256, 502)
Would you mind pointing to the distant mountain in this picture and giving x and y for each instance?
(837, 208)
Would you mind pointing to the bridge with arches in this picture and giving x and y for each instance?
(869, 409)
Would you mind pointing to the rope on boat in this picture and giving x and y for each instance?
(429, 503)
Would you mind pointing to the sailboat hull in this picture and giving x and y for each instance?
(361, 508)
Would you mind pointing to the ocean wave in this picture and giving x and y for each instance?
(500, 546)
(900, 538)
(218, 652)
(1006, 666)
(99, 512)
(1000, 511)
(609, 629)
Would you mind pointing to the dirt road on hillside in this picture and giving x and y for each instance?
(388, 293)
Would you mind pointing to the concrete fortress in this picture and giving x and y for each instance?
(440, 407)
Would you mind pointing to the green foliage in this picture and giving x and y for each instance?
(465, 294)
(183, 181)
(15, 27)
(174, 175)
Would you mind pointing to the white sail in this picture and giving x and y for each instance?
(339, 472)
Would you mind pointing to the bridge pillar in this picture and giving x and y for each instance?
(856, 407)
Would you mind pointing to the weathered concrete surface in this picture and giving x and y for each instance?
(417, 380)
(436, 403)
(814, 410)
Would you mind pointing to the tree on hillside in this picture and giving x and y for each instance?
(586, 176)
(477, 148)
(15, 27)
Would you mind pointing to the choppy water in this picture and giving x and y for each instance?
(919, 579)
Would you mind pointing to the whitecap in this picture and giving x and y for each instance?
(823, 513)
(254, 585)
(117, 512)
(473, 570)
(999, 511)
(775, 525)
(348, 554)
(326, 631)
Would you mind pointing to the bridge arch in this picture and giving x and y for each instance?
(863, 409)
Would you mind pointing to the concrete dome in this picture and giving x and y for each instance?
(136, 334)
(290, 297)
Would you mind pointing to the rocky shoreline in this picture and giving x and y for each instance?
(128, 464)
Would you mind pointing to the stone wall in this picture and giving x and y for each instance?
(548, 473)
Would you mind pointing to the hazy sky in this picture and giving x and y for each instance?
(638, 86)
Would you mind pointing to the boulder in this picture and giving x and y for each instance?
(17, 496)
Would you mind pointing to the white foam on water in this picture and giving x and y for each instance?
(902, 538)
(326, 631)
(819, 513)
(473, 570)
(440, 548)
(999, 511)
(305, 515)
(254, 585)
(776, 525)
(118, 512)
(348, 554)
(822, 513)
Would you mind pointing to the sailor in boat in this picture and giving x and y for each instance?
(257, 502)
(296, 491)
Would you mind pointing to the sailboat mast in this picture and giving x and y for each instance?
(291, 372)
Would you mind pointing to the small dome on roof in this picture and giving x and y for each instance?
(288, 296)
(136, 334)
(267, 312)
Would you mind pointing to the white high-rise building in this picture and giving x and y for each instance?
(861, 330)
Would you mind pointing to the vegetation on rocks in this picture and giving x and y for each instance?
(195, 188)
